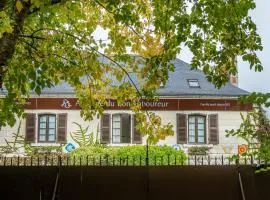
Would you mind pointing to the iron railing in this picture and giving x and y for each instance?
(128, 161)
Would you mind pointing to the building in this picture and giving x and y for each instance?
(199, 112)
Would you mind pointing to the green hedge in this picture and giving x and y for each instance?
(128, 155)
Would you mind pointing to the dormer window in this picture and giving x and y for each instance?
(161, 85)
(193, 83)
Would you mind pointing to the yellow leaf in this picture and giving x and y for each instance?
(19, 5)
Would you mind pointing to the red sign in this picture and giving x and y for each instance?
(161, 104)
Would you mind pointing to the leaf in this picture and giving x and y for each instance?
(19, 5)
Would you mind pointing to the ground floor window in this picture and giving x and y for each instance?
(119, 128)
(46, 128)
(197, 129)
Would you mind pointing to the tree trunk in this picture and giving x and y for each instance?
(8, 41)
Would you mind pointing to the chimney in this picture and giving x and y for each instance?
(234, 78)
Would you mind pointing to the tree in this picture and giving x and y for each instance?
(255, 127)
(44, 42)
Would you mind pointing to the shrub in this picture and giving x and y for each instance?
(128, 155)
(43, 150)
(198, 151)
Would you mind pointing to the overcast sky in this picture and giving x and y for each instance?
(249, 79)
(259, 81)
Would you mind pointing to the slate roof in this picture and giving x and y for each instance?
(177, 85)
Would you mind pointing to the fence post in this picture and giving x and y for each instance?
(147, 153)
(237, 161)
(100, 160)
(202, 160)
(45, 160)
(222, 160)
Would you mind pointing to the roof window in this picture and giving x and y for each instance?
(161, 85)
(193, 83)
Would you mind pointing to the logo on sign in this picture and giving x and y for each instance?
(69, 147)
(66, 104)
(242, 149)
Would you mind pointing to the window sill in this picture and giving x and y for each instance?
(198, 145)
(45, 144)
(120, 144)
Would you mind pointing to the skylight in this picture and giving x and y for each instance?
(193, 83)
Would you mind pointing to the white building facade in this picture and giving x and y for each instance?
(199, 112)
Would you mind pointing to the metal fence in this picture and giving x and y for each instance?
(128, 161)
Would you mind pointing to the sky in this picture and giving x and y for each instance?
(258, 81)
(249, 79)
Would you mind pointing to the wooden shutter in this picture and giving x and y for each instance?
(181, 129)
(125, 128)
(213, 135)
(30, 131)
(105, 128)
(137, 136)
(62, 128)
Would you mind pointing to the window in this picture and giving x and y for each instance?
(46, 128)
(192, 129)
(196, 129)
(193, 83)
(116, 130)
(121, 130)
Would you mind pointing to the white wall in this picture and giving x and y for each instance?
(226, 120)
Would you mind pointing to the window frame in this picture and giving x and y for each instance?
(193, 80)
(130, 128)
(196, 128)
(47, 115)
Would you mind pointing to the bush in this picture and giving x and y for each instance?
(128, 155)
(198, 151)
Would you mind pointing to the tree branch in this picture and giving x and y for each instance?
(129, 26)
(31, 36)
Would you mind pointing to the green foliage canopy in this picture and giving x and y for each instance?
(44, 42)
(255, 127)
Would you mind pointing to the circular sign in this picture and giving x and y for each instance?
(176, 147)
(242, 149)
(69, 147)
